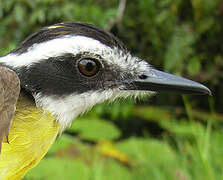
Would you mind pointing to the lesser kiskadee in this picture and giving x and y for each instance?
(64, 70)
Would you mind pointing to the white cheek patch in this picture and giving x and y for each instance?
(74, 45)
(66, 109)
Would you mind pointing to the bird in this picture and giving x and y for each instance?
(60, 72)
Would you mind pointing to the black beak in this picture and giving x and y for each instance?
(159, 81)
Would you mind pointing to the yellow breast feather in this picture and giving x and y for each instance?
(32, 133)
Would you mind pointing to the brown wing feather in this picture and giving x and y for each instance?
(9, 93)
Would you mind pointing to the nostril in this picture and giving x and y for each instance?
(143, 76)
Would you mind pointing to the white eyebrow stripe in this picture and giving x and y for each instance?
(57, 47)
(74, 45)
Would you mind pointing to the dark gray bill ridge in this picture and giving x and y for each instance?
(159, 81)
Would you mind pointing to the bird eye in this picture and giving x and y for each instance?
(89, 67)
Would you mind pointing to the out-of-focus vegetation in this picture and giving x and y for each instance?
(167, 137)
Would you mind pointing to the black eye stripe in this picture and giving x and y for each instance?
(60, 75)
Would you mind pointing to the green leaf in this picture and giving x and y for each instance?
(152, 159)
(183, 128)
(205, 24)
(179, 48)
(19, 13)
(152, 113)
(194, 66)
(114, 170)
(95, 129)
(147, 151)
(58, 169)
(62, 142)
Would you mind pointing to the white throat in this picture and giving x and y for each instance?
(67, 108)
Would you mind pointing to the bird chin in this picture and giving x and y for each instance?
(134, 94)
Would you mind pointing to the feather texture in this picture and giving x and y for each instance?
(32, 133)
(9, 93)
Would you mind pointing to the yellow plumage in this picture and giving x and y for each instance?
(32, 133)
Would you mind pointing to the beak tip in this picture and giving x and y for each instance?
(208, 92)
(203, 90)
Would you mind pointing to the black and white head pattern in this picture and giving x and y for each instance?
(47, 63)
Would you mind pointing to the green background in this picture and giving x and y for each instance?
(166, 137)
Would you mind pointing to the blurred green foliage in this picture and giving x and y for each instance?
(179, 139)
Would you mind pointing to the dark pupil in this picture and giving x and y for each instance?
(89, 66)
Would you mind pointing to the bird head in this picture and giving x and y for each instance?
(70, 67)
